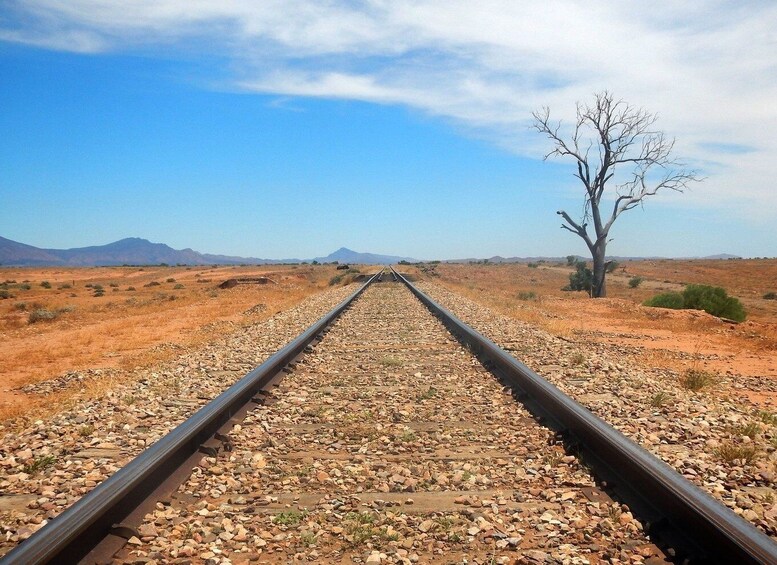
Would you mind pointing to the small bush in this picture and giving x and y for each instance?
(42, 315)
(113, 285)
(337, 279)
(171, 280)
(45, 284)
(65, 286)
(713, 300)
(672, 300)
(98, 287)
(634, 282)
(533, 265)
(581, 279)
(20, 306)
(39, 464)
(130, 288)
(152, 283)
(5, 294)
(611, 266)
(659, 399)
(24, 286)
(730, 452)
(179, 286)
(527, 295)
(770, 296)
(696, 379)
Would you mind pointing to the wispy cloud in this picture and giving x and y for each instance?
(709, 69)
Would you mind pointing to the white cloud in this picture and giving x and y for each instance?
(709, 69)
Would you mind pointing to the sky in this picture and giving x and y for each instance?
(290, 128)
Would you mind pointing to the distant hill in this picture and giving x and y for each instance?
(138, 251)
(129, 251)
(345, 255)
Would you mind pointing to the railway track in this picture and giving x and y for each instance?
(390, 442)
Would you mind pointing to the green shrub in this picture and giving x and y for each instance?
(713, 300)
(337, 279)
(770, 296)
(5, 294)
(611, 266)
(672, 300)
(45, 284)
(697, 379)
(581, 279)
(634, 282)
(533, 265)
(20, 306)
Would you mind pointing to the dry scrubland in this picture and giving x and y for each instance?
(55, 321)
(680, 340)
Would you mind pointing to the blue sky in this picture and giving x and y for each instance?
(290, 130)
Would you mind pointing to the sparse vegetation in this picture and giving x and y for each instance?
(337, 279)
(766, 417)
(390, 362)
(634, 282)
(712, 299)
(179, 286)
(39, 464)
(4, 294)
(45, 284)
(527, 295)
(533, 265)
(659, 399)
(581, 279)
(697, 379)
(289, 518)
(42, 315)
(730, 452)
(770, 296)
(672, 300)
(750, 430)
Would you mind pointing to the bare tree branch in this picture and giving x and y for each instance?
(627, 145)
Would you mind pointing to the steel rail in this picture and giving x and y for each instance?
(71, 536)
(688, 523)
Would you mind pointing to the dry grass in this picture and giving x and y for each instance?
(145, 316)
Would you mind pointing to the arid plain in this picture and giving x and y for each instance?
(60, 322)
(118, 318)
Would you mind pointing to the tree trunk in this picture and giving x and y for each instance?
(598, 286)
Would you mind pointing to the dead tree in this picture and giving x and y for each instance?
(614, 147)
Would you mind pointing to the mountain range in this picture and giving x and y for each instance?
(138, 251)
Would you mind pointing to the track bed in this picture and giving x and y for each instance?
(390, 442)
